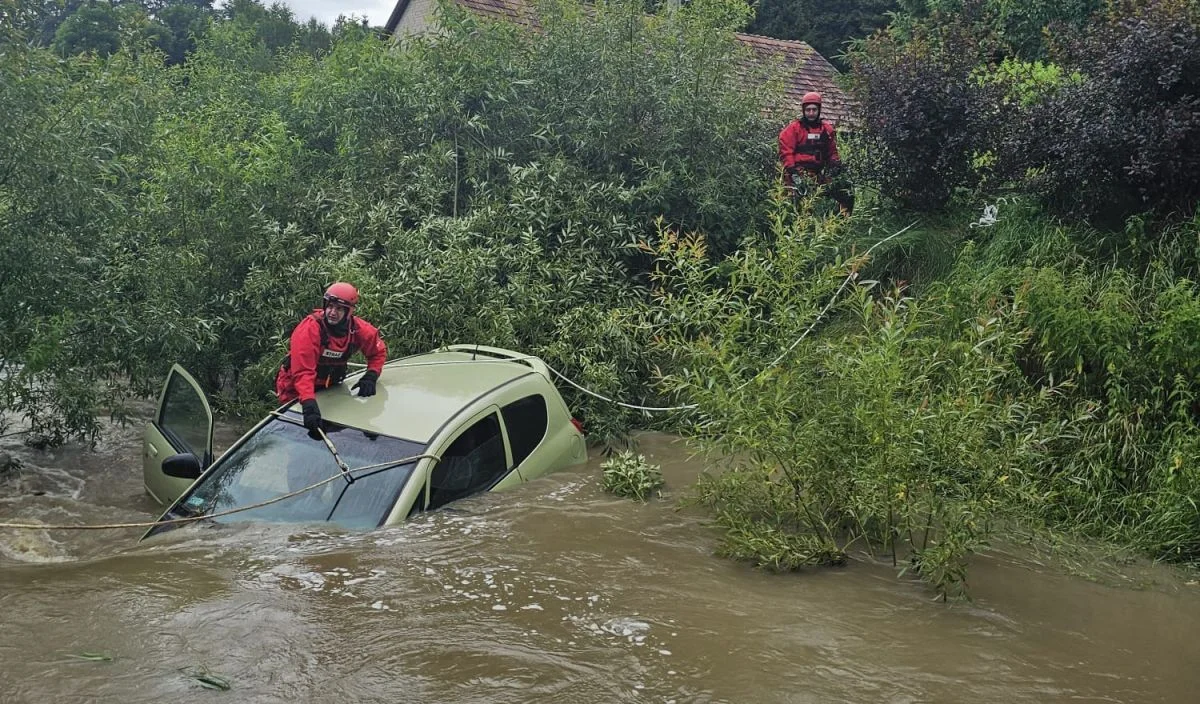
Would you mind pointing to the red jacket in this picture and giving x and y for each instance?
(808, 148)
(316, 359)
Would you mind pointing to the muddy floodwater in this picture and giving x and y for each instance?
(554, 592)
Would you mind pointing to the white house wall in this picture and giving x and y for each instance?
(418, 18)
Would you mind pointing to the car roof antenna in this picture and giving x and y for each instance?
(475, 352)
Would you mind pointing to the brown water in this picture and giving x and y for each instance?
(554, 592)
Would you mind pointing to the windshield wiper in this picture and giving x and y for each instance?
(337, 458)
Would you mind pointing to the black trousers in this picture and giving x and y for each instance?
(804, 182)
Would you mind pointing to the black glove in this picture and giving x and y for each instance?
(312, 415)
(366, 385)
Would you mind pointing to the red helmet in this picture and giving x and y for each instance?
(342, 293)
(811, 98)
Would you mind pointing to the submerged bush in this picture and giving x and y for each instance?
(631, 475)
(767, 546)
(904, 430)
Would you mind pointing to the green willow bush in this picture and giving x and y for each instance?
(903, 428)
(74, 132)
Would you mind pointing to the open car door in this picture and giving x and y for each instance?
(182, 425)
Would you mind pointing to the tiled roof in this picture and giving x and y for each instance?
(804, 68)
(511, 10)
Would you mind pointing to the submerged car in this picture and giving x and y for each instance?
(442, 426)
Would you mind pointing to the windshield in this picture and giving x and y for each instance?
(281, 458)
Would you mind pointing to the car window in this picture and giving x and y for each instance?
(281, 457)
(183, 417)
(474, 462)
(525, 421)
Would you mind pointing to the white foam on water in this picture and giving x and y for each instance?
(35, 547)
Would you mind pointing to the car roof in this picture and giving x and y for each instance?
(417, 395)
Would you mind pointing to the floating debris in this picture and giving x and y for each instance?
(207, 679)
(91, 657)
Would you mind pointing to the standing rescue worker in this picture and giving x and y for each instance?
(808, 149)
(321, 344)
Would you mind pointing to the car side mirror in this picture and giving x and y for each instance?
(185, 465)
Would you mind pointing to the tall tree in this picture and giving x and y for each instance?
(1026, 29)
(94, 28)
(185, 23)
(825, 24)
(274, 26)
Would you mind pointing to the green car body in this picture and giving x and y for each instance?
(474, 418)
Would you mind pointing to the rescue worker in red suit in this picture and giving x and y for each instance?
(808, 149)
(321, 345)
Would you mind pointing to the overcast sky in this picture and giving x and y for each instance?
(376, 11)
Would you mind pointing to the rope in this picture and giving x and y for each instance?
(692, 406)
(850, 277)
(219, 514)
(635, 407)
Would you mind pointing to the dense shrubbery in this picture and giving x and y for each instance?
(74, 129)
(1110, 130)
(1048, 374)
(903, 431)
(1125, 138)
(925, 119)
(487, 184)
(1114, 321)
